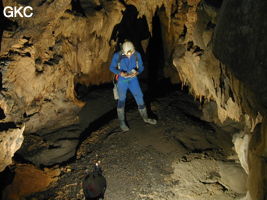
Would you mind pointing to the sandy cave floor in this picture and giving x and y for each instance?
(179, 158)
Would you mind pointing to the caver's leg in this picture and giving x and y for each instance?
(122, 90)
(138, 95)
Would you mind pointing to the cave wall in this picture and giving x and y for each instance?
(66, 43)
(231, 98)
(208, 54)
(239, 42)
(43, 59)
(10, 141)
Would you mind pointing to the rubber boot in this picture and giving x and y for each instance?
(121, 118)
(143, 113)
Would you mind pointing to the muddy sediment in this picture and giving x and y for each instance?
(181, 157)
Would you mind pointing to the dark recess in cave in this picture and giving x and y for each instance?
(183, 34)
(2, 114)
(214, 3)
(83, 91)
(76, 7)
(1, 81)
(131, 28)
(7, 125)
(155, 57)
(6, 178)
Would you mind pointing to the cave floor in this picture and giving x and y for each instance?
(181, 158)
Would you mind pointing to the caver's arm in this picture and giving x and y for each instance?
(114, 64)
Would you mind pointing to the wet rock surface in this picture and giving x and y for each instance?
(179, 158)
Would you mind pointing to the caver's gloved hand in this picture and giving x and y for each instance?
(129, 75)
(124, 74)
(133, 73)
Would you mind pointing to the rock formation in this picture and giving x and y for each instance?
(28, 179)
(239, 43)
(215, 50)
(10, 141)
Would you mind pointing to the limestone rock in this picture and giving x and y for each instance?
(239, 43)
(10, 141)
(233, 177)
(40, 63)
(28, 179)
(51, 148)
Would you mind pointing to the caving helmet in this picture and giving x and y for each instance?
(128, 48)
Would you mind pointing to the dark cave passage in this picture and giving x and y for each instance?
(131, 28)
(6, 178)
(2, 114)
(155, 58)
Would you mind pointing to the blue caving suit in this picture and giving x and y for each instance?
(127, 65)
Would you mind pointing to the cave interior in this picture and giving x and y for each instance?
(204, 81)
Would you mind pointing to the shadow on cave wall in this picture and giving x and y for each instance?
(131, 28)
(155, 56)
